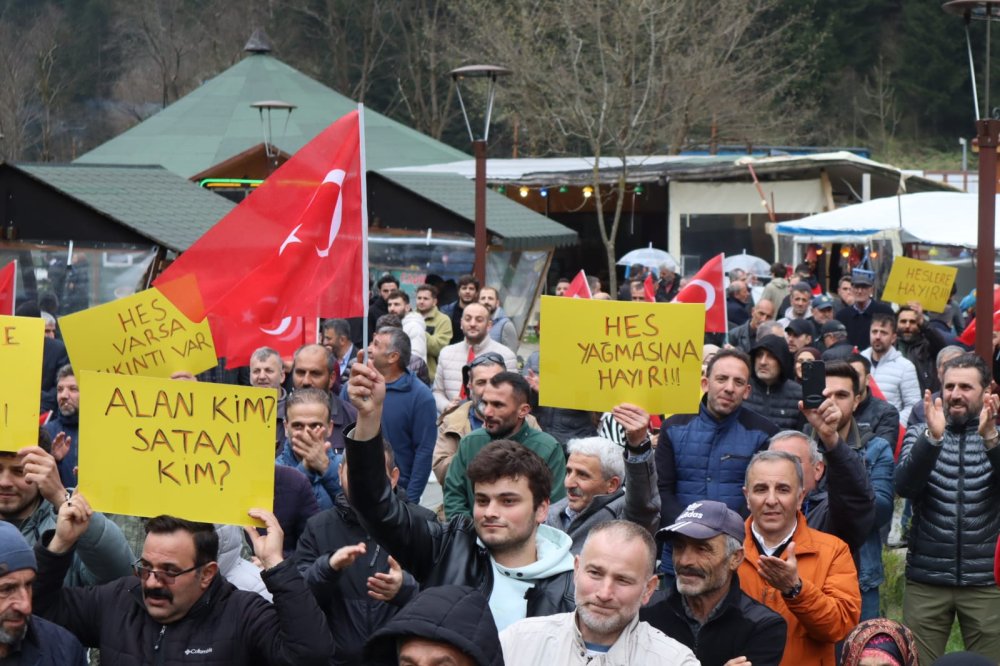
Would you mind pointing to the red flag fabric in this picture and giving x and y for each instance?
(296, 247)
(968, 336)
(649, 288)
(8, 286)
(579, 287)
(241, 341)
(706, 287)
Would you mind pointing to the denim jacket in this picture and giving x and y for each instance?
(878, 461)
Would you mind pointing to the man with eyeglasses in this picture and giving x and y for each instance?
(188, 610)
(27, 638)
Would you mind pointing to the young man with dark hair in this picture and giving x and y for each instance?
(379, 304)
(505, 408)
(468, 292)
(411, 323)
(523, 567)
(187, 607)
(437, 325)
(895, 375)
(66, 423)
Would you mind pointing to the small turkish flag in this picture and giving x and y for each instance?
(706, 287)
(649, 288)
(579, 287)
(8, 287)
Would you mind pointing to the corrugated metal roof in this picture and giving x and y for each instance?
(520, 227)
(167, 209)
(215, 121)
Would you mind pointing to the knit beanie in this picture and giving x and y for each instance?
(15, 553)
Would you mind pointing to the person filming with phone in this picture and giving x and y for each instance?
(839, 499)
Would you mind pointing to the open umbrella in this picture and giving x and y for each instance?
(649, 256)
(748, 263)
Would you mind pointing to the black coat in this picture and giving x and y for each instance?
(859, 324)
(435, 553)
(453, 614)
(922, 352)
(955, 492)
(226, 625)
(352, 615)
(779, 402)
(742, 627)
(879, 417)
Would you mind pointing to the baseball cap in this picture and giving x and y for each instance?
(822, 302)
(704, 520)
(833, 326)
(800, 327)
(862, 278)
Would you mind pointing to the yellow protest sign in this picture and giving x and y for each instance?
(921, 281)
(158, 446)
(143, 334)
(21, 342)
(596, 354)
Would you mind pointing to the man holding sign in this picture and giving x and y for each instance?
(190, 609)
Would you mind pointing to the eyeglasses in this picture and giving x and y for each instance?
(492, 358)
(162, 577)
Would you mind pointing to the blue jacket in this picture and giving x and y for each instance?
(409, 423)
(71, 426)
(48, 644)
(325, 486)
(881, 467)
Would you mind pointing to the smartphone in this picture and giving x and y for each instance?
(813, 383)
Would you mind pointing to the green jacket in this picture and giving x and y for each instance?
(439, 332)
(458, 491)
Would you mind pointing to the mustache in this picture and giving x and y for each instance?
(574, 492)
(158, 593)
(690, 571)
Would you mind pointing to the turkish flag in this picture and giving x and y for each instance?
(295, 248)
(649, 288)
(240, 342)
(8, 287)
(706, 287)
(579, 287)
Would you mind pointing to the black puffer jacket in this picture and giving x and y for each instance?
(436, 553)
(352, 615)
(454, 614)
(955, 491)
(225, 626)
(879, 417)
(779, 402)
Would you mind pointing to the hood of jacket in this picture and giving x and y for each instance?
(779, 349)
(554, 556)
(453, 614)
(403, 384)
(230, 546)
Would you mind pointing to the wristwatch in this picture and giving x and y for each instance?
(794, 592)
(644, 446)
(931, 439)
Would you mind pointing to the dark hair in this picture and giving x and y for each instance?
(44, 440)
(308, 396)
(887, 320)
(399, 294)
(518, 384)
(64, 372)
(858, 358)
(399, 342)
(331, 360)
(386, 279)
(340, 327)
(428, 288)
(505, 458)
(845, 278)
(738, 354)
(802, 286)
(563, 279)
(969, 360)
(804, 269)
(388, 320)
(206, 540)
(844, 369)
(496, 292)
(28, 309)
(468, 279)
(778, 269)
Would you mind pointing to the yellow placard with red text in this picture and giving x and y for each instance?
(914, 280)
(143, 334)
(596, 354)
(194, 450)
(22, 341)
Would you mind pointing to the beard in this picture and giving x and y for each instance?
(16, 636)
(604, 625)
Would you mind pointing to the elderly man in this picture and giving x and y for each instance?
(179, 607)
(668, 284)
(595, 472)
(857, 316)
(799, 299)
(948, 470)
(806, 576)
(743, 336)
(737, 303)
(706, 610)
(614, 577)
(822, 311)
(27, 638)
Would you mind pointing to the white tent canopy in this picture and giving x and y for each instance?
(934, 218)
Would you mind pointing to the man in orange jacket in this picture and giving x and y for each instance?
(806, 576)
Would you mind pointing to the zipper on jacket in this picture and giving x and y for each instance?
(958, 505)
(371, 564)
(159, 656)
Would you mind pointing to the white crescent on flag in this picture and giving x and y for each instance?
(709, 292)
(337, 177)
(280, 328)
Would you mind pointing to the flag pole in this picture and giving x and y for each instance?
(364, 230)
(722, 267)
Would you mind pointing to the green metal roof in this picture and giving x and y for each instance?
(215, 122)
(167, 209)
(520, 227)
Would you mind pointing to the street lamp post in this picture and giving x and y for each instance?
(491, 73)
(988, 138)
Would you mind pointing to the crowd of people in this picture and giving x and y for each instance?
(427, 510)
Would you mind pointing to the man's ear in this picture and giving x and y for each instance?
(208, 573)
(651, 586)
(542, 512)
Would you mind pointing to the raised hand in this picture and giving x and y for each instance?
(824, 419)
(40, 469)
(781, 574)
(385, 586)
(61, 446)
(988, 417)
(934, 415)
(346, 556)
(72, 521)
(366, 391)
(267, 547)
(634, 419)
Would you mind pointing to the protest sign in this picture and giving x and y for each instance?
(22, 340)
(596, 354)
(159, 446)
(143, 334)
(921, 281)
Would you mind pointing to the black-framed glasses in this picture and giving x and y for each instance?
(492, 358)
(163, 577)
